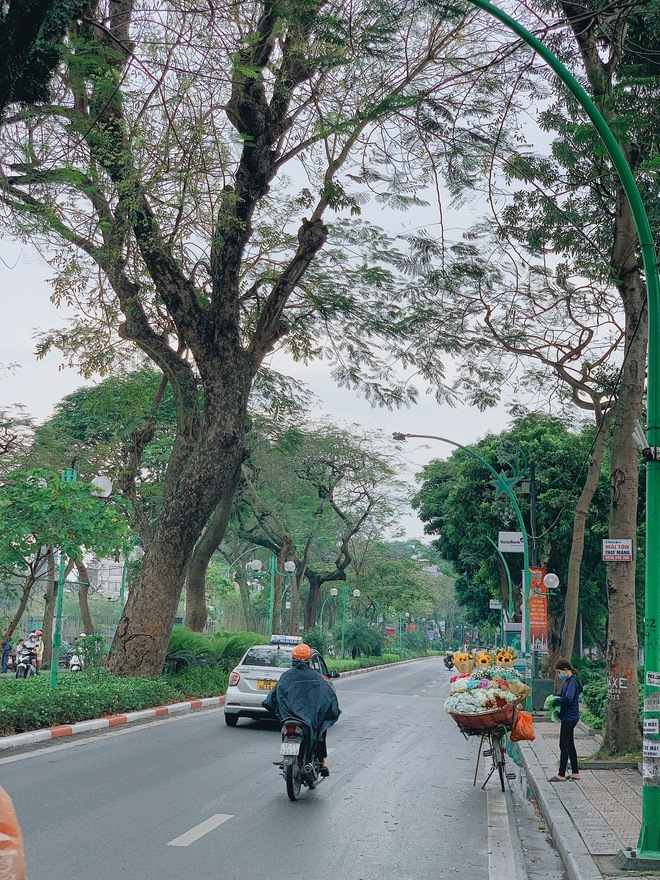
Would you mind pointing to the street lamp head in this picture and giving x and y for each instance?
(407, 614)
(334, 592)
(290, 566)
(356, 594)
(255, 565)
(398, 436)
(102, 486)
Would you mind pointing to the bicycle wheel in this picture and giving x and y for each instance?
(499, 759)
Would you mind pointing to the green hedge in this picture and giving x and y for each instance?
(30, 704)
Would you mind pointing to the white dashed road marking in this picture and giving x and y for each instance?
(200, 830)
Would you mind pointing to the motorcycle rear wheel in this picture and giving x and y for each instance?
(21, 672)
(293, 777)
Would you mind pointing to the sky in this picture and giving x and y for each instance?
(39, 384)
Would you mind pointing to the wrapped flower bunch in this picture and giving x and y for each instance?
(505, 657)
(464, 662)
(487, 687)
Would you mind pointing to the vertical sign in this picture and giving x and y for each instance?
(538, 612)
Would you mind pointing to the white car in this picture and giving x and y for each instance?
(258, 673)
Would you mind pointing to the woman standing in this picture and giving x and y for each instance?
(569, 715)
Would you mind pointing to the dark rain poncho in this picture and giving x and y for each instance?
(303, 693)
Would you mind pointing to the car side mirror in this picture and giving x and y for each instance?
(334, 674)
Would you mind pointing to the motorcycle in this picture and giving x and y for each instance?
(74, 661)
(299, 764)
(448, 660)
(26, 662)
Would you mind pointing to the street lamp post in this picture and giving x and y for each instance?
(256, 565)
(356, 595)
(508, 576)
(103, 488)
(503, 485)
(334, 592)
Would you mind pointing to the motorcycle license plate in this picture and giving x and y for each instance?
(265, 685)
(290, 748)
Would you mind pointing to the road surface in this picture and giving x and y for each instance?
(189, 797)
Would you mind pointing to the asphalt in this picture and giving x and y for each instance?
(589, 822)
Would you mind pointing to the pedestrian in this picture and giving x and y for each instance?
(569, 715)
(6, 653)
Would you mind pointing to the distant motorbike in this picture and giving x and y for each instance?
(448, 660)
(26, 662)
(74, 661)
(299, 764)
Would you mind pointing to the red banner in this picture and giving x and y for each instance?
(538, 611)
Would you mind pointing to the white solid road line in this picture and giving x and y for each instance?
(501, 861)
(200, 830)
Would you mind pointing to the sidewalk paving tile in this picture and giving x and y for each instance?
(605, 806)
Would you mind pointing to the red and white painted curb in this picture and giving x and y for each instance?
(37, 736)
(19, 740)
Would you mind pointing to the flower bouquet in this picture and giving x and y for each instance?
(464, 662)
(504, 657)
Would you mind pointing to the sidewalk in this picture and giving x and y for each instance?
(591, 820)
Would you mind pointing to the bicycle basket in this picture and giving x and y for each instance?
(484, 721)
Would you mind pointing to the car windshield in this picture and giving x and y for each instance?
(267, 656)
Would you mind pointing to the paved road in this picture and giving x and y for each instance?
(399, 802)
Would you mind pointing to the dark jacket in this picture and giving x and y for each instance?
(569, 700)
(302, 693)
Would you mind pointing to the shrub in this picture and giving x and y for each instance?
(189, 650)
(316, 638)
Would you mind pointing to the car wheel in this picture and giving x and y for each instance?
(231, 719)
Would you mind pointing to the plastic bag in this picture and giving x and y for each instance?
(523, 729)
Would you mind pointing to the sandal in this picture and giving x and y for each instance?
(574, 777)
(558, 779)
(325, 772)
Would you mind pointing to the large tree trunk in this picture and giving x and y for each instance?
(621, 720)
(572, 598)
(246, 604)
(49, 609)
(83, 596)
(312, 604)
(621, 724)
(199, 472)
(199, 562)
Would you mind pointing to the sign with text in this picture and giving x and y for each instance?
(538, 611)
(495, 605)
(617, 550)
(510, 542)
(653, 679)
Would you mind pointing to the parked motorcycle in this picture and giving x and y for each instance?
(299, 764)
(448, 660)
(26, 662)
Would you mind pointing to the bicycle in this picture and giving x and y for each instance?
(493, 730)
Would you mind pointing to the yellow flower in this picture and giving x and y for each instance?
(484, 660)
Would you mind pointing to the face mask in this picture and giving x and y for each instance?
(563, 676)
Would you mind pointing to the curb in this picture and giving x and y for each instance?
(572, 850)
(20, 740)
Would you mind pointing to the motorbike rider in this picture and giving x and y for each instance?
(38, 637)
(304, 693)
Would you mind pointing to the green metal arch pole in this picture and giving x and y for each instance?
(506, 488)
(508, 577)
(648, 846)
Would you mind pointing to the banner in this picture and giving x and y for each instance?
(538, 612)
